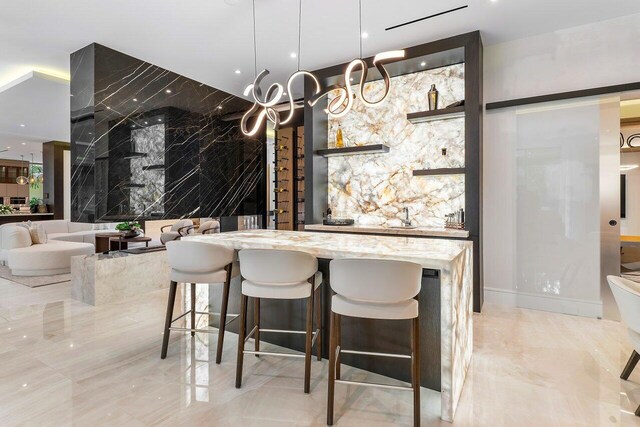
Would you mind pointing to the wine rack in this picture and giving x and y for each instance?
(299, 179)
(284, 175)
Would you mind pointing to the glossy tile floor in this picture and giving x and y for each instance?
(64, 363)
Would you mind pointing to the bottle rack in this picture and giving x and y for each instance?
(299, 179)
(282, 190)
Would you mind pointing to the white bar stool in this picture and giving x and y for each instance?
(198, 262)
(627, 296)
(277, 274)
(374, 289)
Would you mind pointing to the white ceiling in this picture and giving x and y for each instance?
(208, 39)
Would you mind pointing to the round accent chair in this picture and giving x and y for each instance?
(177, 230)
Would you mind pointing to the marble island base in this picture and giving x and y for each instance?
(445, 304)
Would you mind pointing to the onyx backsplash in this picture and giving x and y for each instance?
(147, 143)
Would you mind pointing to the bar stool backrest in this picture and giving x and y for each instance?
(374, 280)
(275, 267)
(627, 296)
(206, 226)
(198, 257)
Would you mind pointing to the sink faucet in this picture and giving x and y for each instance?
(406, 221)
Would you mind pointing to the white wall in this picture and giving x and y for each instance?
(630, 225)
(599, 54)
(594, 55)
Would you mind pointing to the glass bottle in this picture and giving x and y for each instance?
(339, 140)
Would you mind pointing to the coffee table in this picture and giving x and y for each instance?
(119, 243)
(102, 241)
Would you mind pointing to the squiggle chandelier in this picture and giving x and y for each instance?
(264, 103)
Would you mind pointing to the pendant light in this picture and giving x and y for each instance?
(22, 180)
(32, 178)
(264, 101)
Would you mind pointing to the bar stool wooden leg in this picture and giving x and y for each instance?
(415, 369)
(167, 322)
(338, 343)
(332, 370)
(309, 338)
(241, 335)
(319, 323)
(193, 309)
(256, 322)
(223, 314)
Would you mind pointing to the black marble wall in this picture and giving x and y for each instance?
(147, 143)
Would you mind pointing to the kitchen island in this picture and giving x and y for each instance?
(445, 303)
(390, 231)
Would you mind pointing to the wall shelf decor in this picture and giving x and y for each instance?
(430, 116)
(152, 167)
(440, 171)
(351, 151)
(134, 155)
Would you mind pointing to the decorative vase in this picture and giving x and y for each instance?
(33, 208)
(433, 98)
(42, 208)
(339, 140)
(130, 234)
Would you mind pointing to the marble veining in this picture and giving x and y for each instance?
(147, 143)
(452, 257)
(374, 189)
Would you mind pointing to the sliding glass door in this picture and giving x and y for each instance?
(559, 182)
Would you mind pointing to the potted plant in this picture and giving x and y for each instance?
(34, 202)
(129, 229)
(5, 209)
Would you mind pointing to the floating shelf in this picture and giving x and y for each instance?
(132, 185)
(134, 155)
(441, 171)
(430, 116)
(152, 167)
(352, 151)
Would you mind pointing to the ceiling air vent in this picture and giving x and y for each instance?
(427, 17)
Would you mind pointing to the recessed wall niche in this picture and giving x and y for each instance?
(374, 189)
(147, 143)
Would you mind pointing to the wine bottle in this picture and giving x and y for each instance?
(339, 140)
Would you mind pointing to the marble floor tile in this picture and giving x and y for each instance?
(63, 363)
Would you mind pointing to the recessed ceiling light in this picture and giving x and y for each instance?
(132, 126)
(422, 64)
(168, 90)
(135, 99)
(146, 123)
(293, 55)
(22, 125)
(219, 107)
(24, 143)
(237, 71)
(365, 34)
(159, 120)
(8, 147)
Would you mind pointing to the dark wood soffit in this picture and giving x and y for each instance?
(563, 95)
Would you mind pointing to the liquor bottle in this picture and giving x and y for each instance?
(433, 98)
(339, 140)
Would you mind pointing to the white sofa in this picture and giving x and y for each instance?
(27, 259)
(67, 231)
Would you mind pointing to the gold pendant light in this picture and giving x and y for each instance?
(22, 180)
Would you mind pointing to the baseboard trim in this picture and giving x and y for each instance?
(550, 303)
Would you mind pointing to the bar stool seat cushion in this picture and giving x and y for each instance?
(372, 310)
(218, 276)
(281, 290)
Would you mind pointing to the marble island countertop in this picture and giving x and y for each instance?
(392, 231)
(17, 213)
(430, 253)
